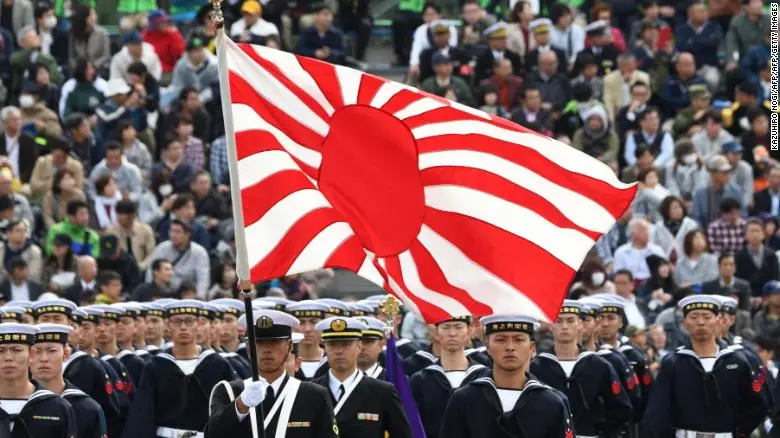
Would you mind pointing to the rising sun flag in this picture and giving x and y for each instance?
(453, 211)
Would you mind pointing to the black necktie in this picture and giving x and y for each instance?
(268, 403)
(341, 392)
(130, 246)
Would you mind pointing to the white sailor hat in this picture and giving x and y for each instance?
(308, 309)
(728, 305)
(52, 333)
(230, 305)
(497, 30)
(262, 303)
(61, 306)
(273, 324)
(16, 333)
(91, 314)
(540, 25)
(376, 328)
(12, 312)
(571, 306)
(459, 318)
(699, 302)
(109, 312)
(78, 315)
(590, 306)
(165, 301)
(154, 309)
(132, 310)
(336, 307)
(24, 304)
(297, 337)
(597, 27)
(361, 309)
(340, 328)
(611, 303)
(184, 307)
(211, 311)
(379, 298)
(439, 26)
(509, 323)
(279, 302)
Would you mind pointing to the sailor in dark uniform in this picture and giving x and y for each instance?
(293, 362)
(96, 378)
(232, 309)
(405, 347)
(125, 333)
(290, 408)
(604, 52)
(107, 350)
(26, 409)
(313, 360)
(599, 405)
(139, 339)
(335, 307)
(372, 342)
(175, 384)
(364, 407)
(28, 317)
(433, 386)
(51, 351)
(507, 403)
(423, 357)
(703, 390)
(610, 336)
(240, 364)
(154, 327)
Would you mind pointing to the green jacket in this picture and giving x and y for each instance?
(85, 241)
(458, 85)
(59, 5)
(21, 61)
(411, 5)
(136, 6)
(85, 99)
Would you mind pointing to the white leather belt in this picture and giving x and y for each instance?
(586, 436)
(167, 432)
(694, 434)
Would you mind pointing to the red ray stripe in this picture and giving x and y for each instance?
(279, 260)
(349, 255)
(614, 200)
(242, 92)
(444, 114)
(368, 88)
(525, 266)
(401, 100)
(492, 184)
(259, 198)
(325, 76)
(253, 142)
(429, 311)
(433, 278)
(277, 73)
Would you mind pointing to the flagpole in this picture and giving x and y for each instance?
(242, 261)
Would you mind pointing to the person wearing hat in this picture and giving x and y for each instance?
(313, 360)
(601, 48)
(588, 380)
(37, 118)
(107, 349)
(322, 40)
(197, 70)
(166, 39)
(440, 44)
(154, 327)
(364, 407)
(433, 386)
(741, 175)
(125, 335)
(290, 407)
(232, 310)
(422, 38)
(507, 401)
(239, 363)
(735, 408)
(251, 28)
(747, 97)
(46, 366)
(122, 102)
(540, 29)
(497, 49)
(372, 343)
(173, 396)
(134, 49)
(443, 79)
(114, 258)
(27, 410)
(708, 201)
(690, 120)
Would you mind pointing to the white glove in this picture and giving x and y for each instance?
(254, 393)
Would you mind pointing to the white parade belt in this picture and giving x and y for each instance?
(167, 432)
(694, 434)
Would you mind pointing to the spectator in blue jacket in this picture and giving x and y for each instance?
(323, 41)
(674, 94)
(756, 57)
(121, 103)
(701, 38)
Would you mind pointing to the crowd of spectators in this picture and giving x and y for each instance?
(113, 166)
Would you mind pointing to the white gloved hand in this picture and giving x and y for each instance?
(254, 393)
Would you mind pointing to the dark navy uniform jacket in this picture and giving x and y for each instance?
(169, 398)
(240, 364)
(311, 416)
(432, 391)
(134, 365)
(598, 402)
(475, 411)
(685, 396)
(405, 347)
(90, 421)
(628, 378)
(99, 380)
(322, 369)
(45, 415)
(636, 357)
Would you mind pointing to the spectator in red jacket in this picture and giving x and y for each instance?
(166, 40)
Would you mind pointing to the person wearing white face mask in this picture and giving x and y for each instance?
(593, 278)
(36, 117)
(46, 23)
(686, 172)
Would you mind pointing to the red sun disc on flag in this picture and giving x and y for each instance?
(428, 198)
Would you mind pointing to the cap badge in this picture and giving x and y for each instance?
(338, 325)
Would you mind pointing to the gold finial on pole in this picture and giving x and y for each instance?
(390, 307)
(216, 16)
